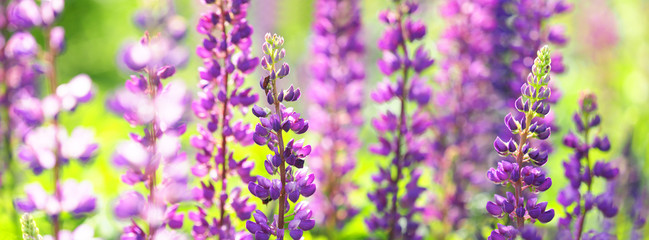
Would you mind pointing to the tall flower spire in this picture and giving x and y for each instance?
(46, 143)
(586, 139)
(151, 101)
(400, 134)
(336, 90)
(158, 107)
(20, 73)
(288, 158)
(525, 172)
(464, 108)
(227, 61)
(521, 28)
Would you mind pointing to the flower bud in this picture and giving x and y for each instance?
(21, 45)
(500, 146)
(57, 39)
(166, 72)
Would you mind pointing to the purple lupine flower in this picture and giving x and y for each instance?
(23, 14)
(171, 30)
(19, 75)
(46, 143)
(525, 173)
(522, 27)
(634, 189)
(82, 232)
(464, 105)
(159, 107)
(400, 134)
(520, 31)
(576, 203)
(294, 180)
(225, 51)
(337, 90)
(71, 197)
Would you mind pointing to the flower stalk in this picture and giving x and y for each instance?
(225, 52)
(586, 120)
(400, 134)
(294, 180)
(525, 173)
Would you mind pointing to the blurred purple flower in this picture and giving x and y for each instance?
(159, 108)
(82, 232)
(586, 119)
(464, 106)
(168, 49)
(337, 90)
(72, 197)
(46, 144)
(400, 134)
(21, 45)
(23, 14)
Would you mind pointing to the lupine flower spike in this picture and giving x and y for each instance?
(19, 77)
(29, 228)
(522, 28)
(46, 143)
(337, 91)
(465, 104)
(581, 168)
(400, 134)
(161, 17)
(159, 108)
(520, 167)
(226, 57)
(287, 159)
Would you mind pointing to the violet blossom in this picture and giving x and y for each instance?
(400, 134)
(337, 91)
(522, 29)
(464, 106)
(294, 179)
(225, 52)
(580, 168)
(46, 144)
(19, 75)
(157, 106)
(635, 189)
(171, 29)
(522, 158)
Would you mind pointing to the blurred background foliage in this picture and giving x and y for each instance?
(608, 54)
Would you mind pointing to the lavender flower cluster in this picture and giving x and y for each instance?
(465, 106)
(46, 145)
(400, 134)
(287, 159)
(486, 50)
(521, 166)
(171, 29)
(579, 169)
(20, 73)
(521, 30)
(146, 101)
(227, 61)
(336, 91)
